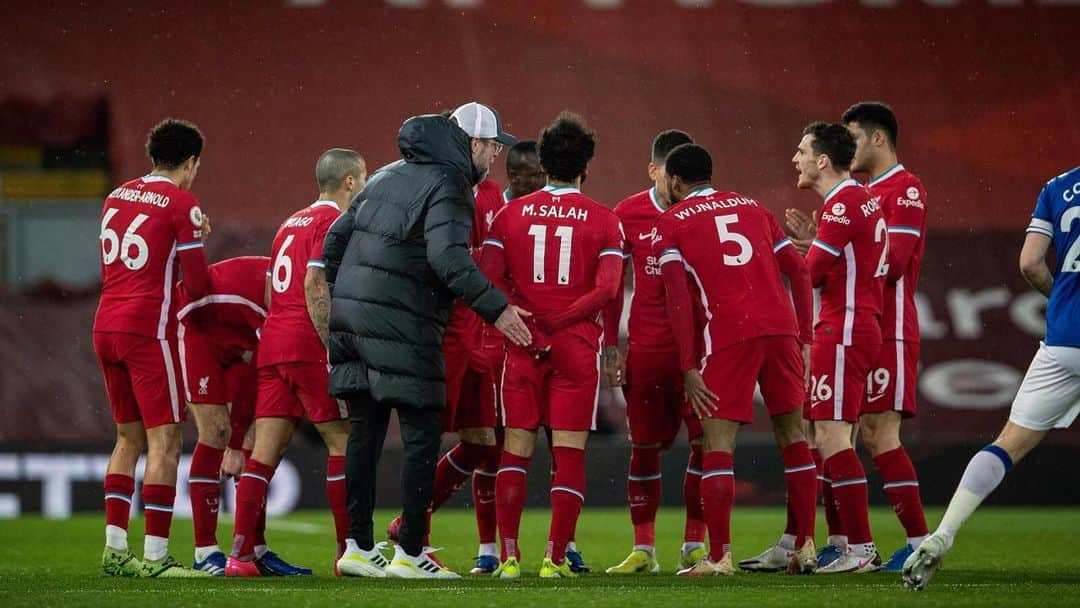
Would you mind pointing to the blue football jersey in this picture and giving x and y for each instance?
(1057, 215)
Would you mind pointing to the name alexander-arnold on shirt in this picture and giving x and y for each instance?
(148, 197)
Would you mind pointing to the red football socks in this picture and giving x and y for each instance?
(567, 497)
(118, 492)
(509, 500)
(643, 485)
(902, 490)
(832, 517)
(158, 508)
(453, 470)
(337, 495)
(849, 489)
(250, 502)
(695, 519)
(483, 491)
(800, 476)
(204, 487)
(718, 497)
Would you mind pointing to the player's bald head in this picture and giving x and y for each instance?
(335, 165)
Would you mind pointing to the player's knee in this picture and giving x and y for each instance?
(335, 435)
(215, 435)
(879, 434)
(477, 436)
(519, 442)
(787, 435)
(164, 444)
(131, 439)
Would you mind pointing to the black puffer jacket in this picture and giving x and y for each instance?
(396, 260)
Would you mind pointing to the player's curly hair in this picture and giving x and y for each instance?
(834, 141)
(872, 116)
(172, 141)
(566, 147)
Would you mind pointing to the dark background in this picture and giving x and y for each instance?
(986, 96)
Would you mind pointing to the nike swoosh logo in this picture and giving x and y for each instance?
(874, 398)
(646, 236)
(485, 502)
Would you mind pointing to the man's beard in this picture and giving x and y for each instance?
(483, 173)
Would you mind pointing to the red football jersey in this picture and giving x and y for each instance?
(648, 326)
(144, 224)
(489, 200)
(232, 313)
(903, 201)
(287, 334)
(848, 262)
(728, 244)
(553, 240)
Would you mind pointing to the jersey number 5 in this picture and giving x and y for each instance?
(746, 251)
(565, 234)
(113, 247)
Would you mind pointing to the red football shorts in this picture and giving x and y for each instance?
(773, 363)
(838, 380)
(891, 384)
(206, 367)
(471, 387)
(141, 378)
(655, 408)
(560, 391)
(291, 390)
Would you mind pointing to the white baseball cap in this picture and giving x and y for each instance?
(481, 122)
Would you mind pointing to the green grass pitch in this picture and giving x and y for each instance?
(1003, 557)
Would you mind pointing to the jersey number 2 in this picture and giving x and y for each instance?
(880, 233)
(565, 234)
(1071, 261)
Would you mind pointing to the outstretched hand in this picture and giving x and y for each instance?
(511, 323)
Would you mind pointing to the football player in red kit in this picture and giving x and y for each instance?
(890, 389)
(651, 378)
(151, 228)
(849, 261)
(560, 254)
(292, 366)
(754, 334)
(891, 383)
(218, 340)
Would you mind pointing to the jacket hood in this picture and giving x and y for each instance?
(433, 139)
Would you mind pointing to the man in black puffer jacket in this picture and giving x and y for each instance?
(396, 261)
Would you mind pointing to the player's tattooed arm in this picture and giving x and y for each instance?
(317, 295)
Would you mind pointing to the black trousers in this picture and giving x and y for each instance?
(421, 431)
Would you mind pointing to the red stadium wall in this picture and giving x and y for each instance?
(986, 94)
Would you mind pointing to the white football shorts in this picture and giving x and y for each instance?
(1049, 396)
